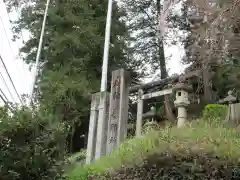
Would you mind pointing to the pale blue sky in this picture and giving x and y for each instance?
(19, 71)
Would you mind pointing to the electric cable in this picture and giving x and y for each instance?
(10, 79)
(4, 95)
(7, 88)
(9, 43)
(5, 100)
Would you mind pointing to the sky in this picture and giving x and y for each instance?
(21, 75)
(9, 50)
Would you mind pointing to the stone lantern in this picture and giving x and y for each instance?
(151, 123)
(181, 102)
(150, 114)
(230, 99)
(232, 112)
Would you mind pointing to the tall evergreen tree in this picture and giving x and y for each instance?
(147, 42)
(143, 19)
(72, 52)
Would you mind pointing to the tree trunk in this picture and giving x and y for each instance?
(162, 63)
(161, 54)
(206, 84)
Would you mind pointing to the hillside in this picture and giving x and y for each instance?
(198, 151)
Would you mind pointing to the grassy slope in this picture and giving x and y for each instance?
(197, 137)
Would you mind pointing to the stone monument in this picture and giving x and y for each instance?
(92, 132)
(118, 110)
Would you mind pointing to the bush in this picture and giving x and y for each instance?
(30, 146)
(215, 111)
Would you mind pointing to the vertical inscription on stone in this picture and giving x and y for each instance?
(118, 110)
(123, 107)
(117, 82)
(114, 111)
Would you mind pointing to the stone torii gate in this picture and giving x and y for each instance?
(109, 112)
(180, 89)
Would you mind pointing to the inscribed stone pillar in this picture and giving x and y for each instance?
(92, 132)
(102, 125)
(118, 111)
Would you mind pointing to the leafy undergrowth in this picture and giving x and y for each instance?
(197, 151)
(77, 159)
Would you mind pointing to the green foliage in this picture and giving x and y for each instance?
(198, 137)
(77, 156)
(30, 146)
(215, 111)
(227, 76)
(143, 17)
(71, 57)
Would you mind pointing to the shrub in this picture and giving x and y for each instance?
(30, 146)
(215, 111)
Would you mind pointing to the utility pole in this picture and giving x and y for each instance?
(106, 47)
(39, 50)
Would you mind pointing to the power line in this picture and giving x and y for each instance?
(9, 42)
(5, 100)
(5, 31)
(11, 79)
(2, 98)
(7, 87)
